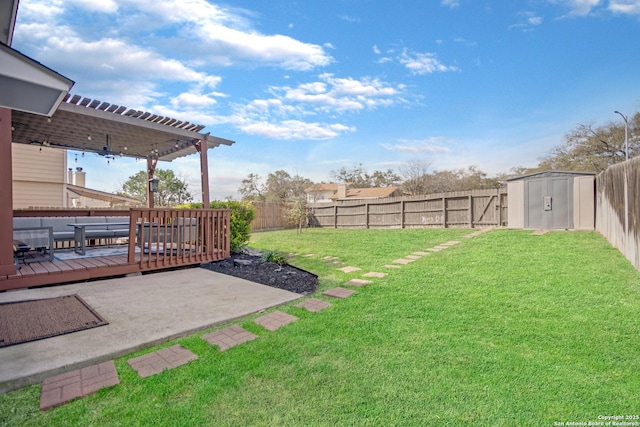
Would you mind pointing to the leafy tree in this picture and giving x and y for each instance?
(416, 176)
(280, 187)
(251, 188)
(171, 189)
(358, 177)
(298, 214)
(386, 178)
(593, 149)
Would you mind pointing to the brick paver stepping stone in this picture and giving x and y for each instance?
(349, 269)
(229, 337)
(374, 274)
(309, 255)
(436, 249)
(413, 257)
(161, 360)
(329, 258)
(335, 263)
(314, 304)
(420, 253)
(450, 243)
(403, 261)
(62, 388)
(358, 282)
(391, 266)
(339, 293)
(274, 321)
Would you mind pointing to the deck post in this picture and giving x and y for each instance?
(7, 265)
(201, 146)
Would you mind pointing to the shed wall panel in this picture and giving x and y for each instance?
(515, 214)
(584, 203)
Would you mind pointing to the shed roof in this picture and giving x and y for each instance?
(549, 174)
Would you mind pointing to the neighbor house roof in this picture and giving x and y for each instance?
(354, 193)
(370, 193)
(101, 195)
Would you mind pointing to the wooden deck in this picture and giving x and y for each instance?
(37, 270)
(187, 243)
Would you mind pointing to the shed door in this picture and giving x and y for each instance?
(549, 203)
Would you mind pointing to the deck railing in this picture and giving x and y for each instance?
(157, 239)
(174, 237)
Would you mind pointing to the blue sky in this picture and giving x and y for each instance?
(311, 86)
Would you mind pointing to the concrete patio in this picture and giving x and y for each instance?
(142, 311)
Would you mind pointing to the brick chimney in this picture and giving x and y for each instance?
(342, 191)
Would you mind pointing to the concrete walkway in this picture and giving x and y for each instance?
(142, 311)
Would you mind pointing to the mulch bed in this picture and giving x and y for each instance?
(25, 321)
(253, 268)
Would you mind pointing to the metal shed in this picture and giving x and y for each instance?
(552, 200)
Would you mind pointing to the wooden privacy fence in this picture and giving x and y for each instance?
(270, 216)
(477, 208)
(618, 208)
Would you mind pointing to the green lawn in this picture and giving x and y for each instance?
(503, 329)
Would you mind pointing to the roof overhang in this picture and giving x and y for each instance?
(8, 12)
(101, 195)
(110, 130)
(27, 85)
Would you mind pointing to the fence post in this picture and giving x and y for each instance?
(366, 210)
(470, 211)
(444, 212)
(335, 215)
(401, 213)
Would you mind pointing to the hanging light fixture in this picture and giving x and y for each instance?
(153, 185)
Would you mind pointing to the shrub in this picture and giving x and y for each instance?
(242, 213)
(277, 257)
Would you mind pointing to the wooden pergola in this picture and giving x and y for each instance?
(109, 130)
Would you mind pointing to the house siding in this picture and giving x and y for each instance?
(38, 176)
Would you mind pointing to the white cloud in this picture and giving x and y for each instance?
(284, 115)
(592, 7)
(528, 20)
(432, 145)
(209, 32)
(578, 7)
(103, 6)
(450, 3)
(628, 7)
(376, 50)
(350, 19)
(193, 99)
(329, 94)
(296, 129)
(423, 63)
